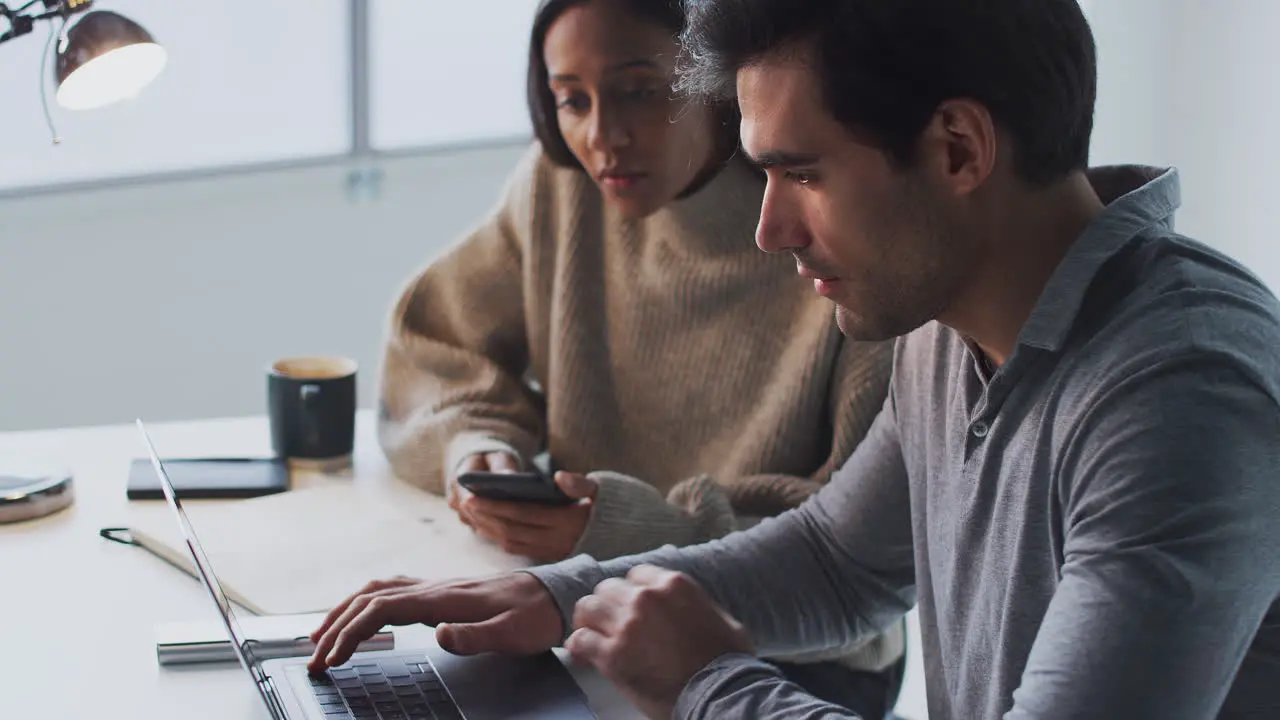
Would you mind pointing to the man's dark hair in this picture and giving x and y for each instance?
(668, 14)
(886, 65)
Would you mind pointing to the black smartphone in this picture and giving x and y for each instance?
(530, 487)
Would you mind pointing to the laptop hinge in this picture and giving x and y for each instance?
(273, 699)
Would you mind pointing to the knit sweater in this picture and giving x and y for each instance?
(699, 381)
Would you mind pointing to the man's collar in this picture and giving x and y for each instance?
(1137, 197)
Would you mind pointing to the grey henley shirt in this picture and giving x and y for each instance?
(1093, 531)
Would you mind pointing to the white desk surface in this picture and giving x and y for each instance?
(77, 612)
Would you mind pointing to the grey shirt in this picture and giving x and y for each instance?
(1091, 532)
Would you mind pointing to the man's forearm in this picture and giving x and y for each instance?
(740, 686)
(782, 579)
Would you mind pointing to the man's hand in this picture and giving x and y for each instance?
(511, 613)
(480, 462)
(541, 532)
(651, 633)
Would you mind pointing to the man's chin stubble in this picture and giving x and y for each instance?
(860, 328)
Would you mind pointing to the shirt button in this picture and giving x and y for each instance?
(980, 429)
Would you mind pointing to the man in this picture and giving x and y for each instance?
(1077, 472)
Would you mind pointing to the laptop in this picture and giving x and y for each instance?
(428, 684)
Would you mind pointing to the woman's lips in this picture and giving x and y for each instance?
(619, 180)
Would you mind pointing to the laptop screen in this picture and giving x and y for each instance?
(243, 649)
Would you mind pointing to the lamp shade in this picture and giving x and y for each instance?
(106, 58)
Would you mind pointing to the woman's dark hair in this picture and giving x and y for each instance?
(668, 14)
(886, 65)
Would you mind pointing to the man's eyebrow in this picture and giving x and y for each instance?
(782, 159)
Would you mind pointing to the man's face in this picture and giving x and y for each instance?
(876, 238)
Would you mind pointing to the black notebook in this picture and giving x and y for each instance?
(210, 478)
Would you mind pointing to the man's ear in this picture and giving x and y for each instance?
(959, 145)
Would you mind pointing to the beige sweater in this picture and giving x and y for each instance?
(700, 381)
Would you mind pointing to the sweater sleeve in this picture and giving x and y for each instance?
(858, 390)
(631, 517)
(452, 373)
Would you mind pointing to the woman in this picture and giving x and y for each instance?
(614, 313)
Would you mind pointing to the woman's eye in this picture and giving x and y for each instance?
(572, 102)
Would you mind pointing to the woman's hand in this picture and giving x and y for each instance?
(480, 462)
(543, 533)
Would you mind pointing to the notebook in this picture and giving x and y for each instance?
(304, 551)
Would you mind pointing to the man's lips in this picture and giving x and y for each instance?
(824, 285)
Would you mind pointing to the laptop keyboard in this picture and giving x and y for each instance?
(395, 688)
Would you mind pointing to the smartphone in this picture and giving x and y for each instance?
(530, 487)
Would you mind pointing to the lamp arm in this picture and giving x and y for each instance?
(20, 24)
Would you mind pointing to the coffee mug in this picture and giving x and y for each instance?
(311, 403)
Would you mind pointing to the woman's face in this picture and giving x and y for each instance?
(610, 74)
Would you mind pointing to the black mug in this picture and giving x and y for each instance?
(311, 403)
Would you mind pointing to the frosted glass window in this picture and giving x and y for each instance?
(245, 83)
(448, 72)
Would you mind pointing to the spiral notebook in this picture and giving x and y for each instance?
(304, 551)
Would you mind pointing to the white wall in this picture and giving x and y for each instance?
(168, 301)
(1224, 104)
(1192, 84)
(1133, 43)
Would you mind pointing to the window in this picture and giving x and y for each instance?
(245, 83)
(447, 73)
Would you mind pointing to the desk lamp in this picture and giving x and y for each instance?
(101, 59)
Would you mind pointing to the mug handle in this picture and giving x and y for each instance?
(310, 421)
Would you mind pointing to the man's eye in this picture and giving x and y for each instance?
(642, 93)
(800, 177)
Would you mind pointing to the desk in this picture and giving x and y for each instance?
(83, 645)
(90, 606)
